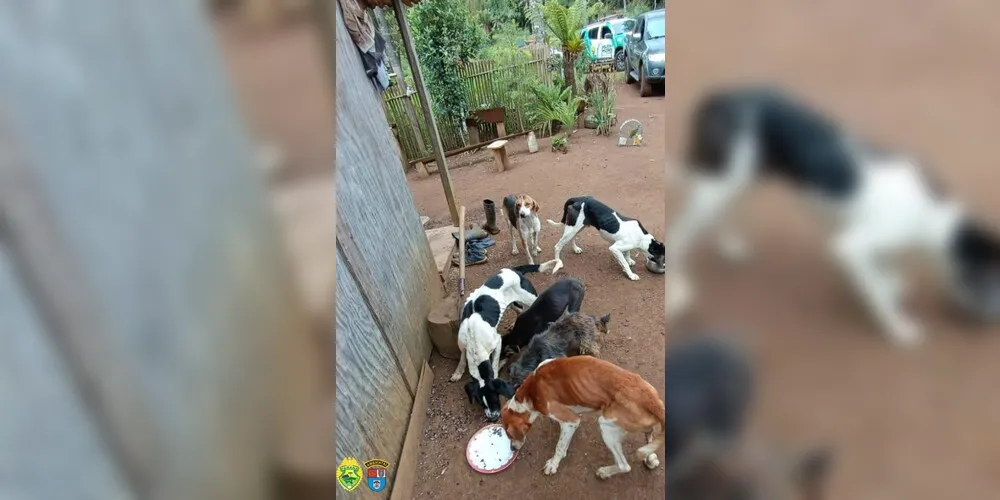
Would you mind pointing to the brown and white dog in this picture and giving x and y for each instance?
(563, 389)
(522, 214)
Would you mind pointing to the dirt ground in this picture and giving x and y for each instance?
(918, 75)
(630, 180)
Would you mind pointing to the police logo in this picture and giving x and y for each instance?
(376, 474)
(349, 473)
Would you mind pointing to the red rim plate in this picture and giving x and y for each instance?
(481, 470)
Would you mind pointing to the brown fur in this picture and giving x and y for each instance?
(586, 381)
(524, 200)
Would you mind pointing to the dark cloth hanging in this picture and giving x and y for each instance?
(369, 42)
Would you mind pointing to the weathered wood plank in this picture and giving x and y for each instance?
(378, 227)
(124, 113)
(44, 429)
(373, 404)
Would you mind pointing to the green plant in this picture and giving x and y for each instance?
(445, 35)
(549, 104)
(564, 24)
(601, 106)
(560, 143)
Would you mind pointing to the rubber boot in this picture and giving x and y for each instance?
(491, 217)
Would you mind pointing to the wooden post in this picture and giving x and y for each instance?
(501, 129)
(418, 80)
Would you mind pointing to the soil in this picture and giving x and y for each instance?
(630, 179)
(919, 76)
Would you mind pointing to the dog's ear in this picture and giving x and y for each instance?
(472, 390)
(605, 319)
(810, 471)
(502, 387)
(536, 206)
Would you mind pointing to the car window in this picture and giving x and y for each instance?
(593, 33)
(656, 28)
(639, 26)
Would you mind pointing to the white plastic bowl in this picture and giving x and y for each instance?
(489, 450)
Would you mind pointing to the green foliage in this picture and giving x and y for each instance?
(550, 104)
(493, 13)
(601, 108)
(564, 24)
(560, 143)
(445, 35)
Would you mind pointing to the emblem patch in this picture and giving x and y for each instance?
(376, 474)
(349, 473)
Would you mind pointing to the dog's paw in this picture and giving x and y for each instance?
(577, 250)
(633, 277)
(606, 472)
(538, 250)
(679, 296)
(733, 248)
(651, 461)
(557, 267)
(514, 251)
(455, 377)
(551, 466)
(907, 333)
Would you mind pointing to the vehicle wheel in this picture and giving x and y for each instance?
(628, 74)
(620, 60)
(645, 88)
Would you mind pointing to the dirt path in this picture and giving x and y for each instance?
(921, 76)
(630, 180)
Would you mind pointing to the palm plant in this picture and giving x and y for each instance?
(564, 24)
(548, 104)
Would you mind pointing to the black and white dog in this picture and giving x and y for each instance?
(882, 204)
(624, 233)
(478, 339)
(564, 295)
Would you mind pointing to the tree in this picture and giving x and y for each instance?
(565, 23)
(444, 36)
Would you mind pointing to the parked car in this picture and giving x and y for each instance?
(644, 52)
(605, 40)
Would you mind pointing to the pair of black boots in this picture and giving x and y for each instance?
(478, 240)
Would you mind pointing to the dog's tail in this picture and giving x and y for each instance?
(562, 222)
(554, 223)
(544, 267)
(654, 405)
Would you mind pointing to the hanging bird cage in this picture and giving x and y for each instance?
(630, 133)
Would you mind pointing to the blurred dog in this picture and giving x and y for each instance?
(522, 214)
(565, 388)
(572, 334)
(882, 204)
(709, 386)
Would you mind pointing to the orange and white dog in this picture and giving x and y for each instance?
(522, 214)
(563, 389)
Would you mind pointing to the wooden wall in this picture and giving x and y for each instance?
(386, 278)
(143, 284)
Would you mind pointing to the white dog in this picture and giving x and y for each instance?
(881, 204)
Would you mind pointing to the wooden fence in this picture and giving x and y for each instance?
(487, 85)
(384, 292)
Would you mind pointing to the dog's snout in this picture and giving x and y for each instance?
(512, 447)
(492, 416)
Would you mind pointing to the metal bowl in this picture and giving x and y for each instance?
(654, 267)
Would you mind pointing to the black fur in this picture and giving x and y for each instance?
(494, 282)
(709, 385)
(572, 334)
(510, 206)
(487, 307)
(488, 396)
(794, 141)
(595, 214)
(563, 295)
(975, 252)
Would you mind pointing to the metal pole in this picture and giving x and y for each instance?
(418, 80)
